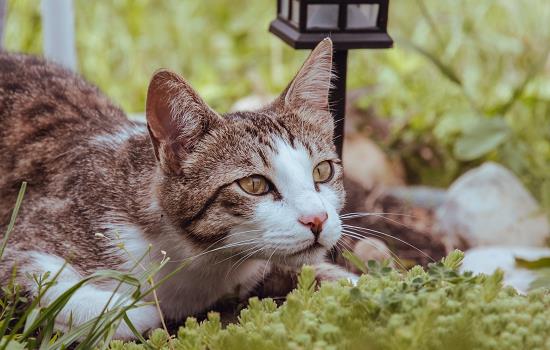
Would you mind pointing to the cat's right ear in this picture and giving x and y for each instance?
(176, 118)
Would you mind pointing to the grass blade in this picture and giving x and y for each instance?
(11, 225)
(355, 261)
(135, 331)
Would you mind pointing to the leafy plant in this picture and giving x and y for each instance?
(30, 325)
(464, 86)
(467, 80)
(541, 267)
(438, 308)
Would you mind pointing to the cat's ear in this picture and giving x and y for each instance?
(176, 118)
(311, 85)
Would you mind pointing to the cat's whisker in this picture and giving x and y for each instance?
(340, 247)
(380, 215)
(393, 221)
(363, 214)
(346, 245)
(247, 255)
(227, 236)
(267, 264)
(380, 234)
(332, 252)
(239, 253)
(239, 262)
(394, 256)
(256, 248)
(227, 246)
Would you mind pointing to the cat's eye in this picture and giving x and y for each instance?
(254, 184)
(323, 172)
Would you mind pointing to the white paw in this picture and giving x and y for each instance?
(89, 302)
(143, 318)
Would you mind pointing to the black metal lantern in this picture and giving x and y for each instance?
(351, 24)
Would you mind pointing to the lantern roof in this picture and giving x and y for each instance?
(351, 24)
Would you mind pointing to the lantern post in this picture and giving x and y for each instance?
(351, 24)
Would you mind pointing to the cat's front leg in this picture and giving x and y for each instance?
(88, 301)
(283, 279)
(326, 271)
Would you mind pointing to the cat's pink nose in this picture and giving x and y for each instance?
(314, 222)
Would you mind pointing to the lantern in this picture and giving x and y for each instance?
(351, 24)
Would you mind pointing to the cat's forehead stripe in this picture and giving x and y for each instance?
(267, 127)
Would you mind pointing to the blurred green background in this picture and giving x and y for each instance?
(467, 81)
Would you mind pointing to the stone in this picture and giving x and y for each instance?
(366, 163)
(372, 249)
(421, 196)
(487, 260)
(487, 206)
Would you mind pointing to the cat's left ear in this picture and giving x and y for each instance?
(310, 88)
(177, 118)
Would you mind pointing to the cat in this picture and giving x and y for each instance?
(265, 185)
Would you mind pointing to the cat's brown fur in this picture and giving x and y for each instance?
(171, 183)
(48, 115)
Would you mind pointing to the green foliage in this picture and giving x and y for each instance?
(420, 309)
(541, 267)
(223, 47)
(439, 308)
(11, 225)
(26, 324)
(467, 80)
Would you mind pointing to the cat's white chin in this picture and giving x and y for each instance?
(308, 256)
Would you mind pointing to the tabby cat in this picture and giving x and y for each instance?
(238, 192)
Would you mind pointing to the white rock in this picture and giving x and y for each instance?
(421, 196)
(489, 206)
(487, 259)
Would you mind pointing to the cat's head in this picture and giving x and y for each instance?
(268, 183)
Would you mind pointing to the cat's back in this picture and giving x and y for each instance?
(40, 99)
(47, 113)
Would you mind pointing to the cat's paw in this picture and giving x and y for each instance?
(89, 302)
(144, 318)
(331, 272)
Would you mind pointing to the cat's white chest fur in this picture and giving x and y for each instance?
(200, 281)
(192, 291)
(199, 165)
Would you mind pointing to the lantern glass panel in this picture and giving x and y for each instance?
(284, 8)
(322, 16)
(363, 16)
(295, 17)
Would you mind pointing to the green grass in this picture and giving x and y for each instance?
(28, 324)
(434, 309)
(467, 81)
(437, 308)
(419, 309)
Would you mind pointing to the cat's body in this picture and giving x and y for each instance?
(97, 181)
